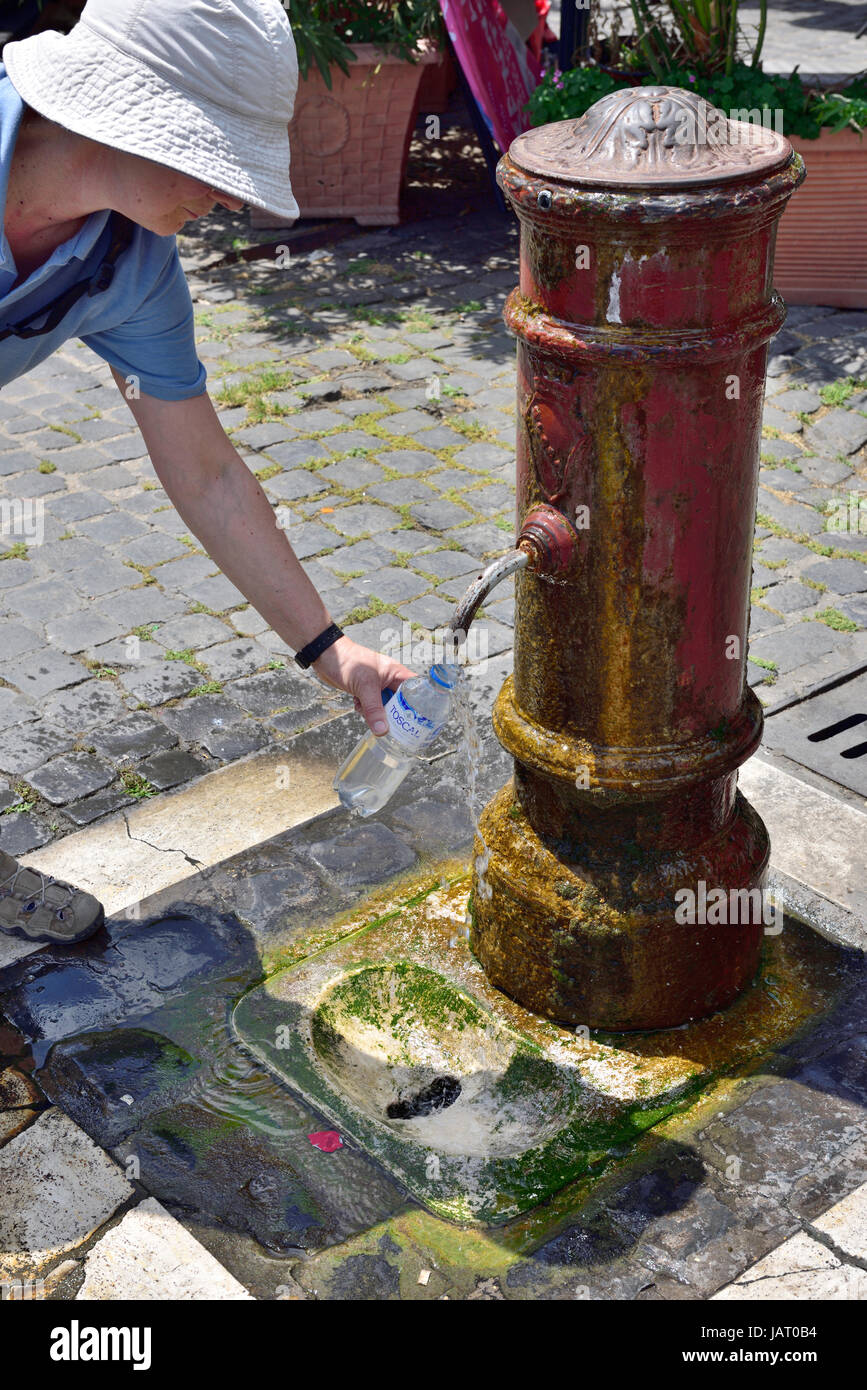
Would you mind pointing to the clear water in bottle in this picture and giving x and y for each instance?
(415, 713)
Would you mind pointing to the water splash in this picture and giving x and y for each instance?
(470, 761)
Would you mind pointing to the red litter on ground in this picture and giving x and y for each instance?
(327, 1140)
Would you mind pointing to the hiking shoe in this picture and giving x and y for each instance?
(40, 908)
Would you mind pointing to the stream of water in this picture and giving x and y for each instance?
(470, 754)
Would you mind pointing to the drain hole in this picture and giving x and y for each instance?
(442, 1092)
(857, 752)
(839, 728)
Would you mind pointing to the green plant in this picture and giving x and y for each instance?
(324, 31)
(678, 33)
(135, 784)
(838, 392)
(832, 617)
(26, 799)
(745, 92)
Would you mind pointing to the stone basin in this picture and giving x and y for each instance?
(482, 1110)
(426, 1060)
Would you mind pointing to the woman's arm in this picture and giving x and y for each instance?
(225, 508)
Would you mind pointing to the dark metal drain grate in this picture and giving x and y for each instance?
(827, 733)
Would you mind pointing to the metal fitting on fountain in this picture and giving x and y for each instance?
(550, 539)
(643, 317)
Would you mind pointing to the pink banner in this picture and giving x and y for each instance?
(495, 61)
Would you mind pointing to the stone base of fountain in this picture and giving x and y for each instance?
(478, 1107)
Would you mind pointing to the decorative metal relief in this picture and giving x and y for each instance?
(650, 135)
(555, 437)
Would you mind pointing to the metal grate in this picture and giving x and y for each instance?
(827, 733)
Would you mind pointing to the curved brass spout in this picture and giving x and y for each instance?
(546, 545)
(467, 607)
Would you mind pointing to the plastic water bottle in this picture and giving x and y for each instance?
(415, 713)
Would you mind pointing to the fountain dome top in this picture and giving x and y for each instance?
(642, 136)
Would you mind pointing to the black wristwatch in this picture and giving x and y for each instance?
(320, 644)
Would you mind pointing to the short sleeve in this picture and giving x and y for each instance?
(157, 341)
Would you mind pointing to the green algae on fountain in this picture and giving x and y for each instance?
(481, 1109)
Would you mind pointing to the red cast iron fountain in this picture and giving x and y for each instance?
(643, 318)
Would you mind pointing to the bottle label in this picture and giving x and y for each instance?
(406, 725)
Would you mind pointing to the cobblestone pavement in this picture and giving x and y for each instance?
(370, 387)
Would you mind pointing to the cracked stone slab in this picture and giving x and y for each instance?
(56, 1189)
(149, 1255)
(800, 1268)
(167, 837)
(845, 1224)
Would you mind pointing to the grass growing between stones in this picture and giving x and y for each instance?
(833, 618)
(771, 667)
(136, 785)
(838, 392)
(27, 799)
(252, 391)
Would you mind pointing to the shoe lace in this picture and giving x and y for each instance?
(7, 887)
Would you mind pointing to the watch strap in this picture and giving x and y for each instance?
(320, 644)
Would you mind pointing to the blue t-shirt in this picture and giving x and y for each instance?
(142, 324)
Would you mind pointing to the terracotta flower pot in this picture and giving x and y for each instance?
(349, 145)
(821, 255)
(438, 81)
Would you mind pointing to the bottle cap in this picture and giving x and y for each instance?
(444, 674)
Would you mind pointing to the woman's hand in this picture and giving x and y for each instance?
(362, 673)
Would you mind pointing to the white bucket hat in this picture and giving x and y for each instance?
(206, 87)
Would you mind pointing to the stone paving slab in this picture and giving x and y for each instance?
(149, 1255)
(801, 1268)
(56, 1189)
(845, 1225)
